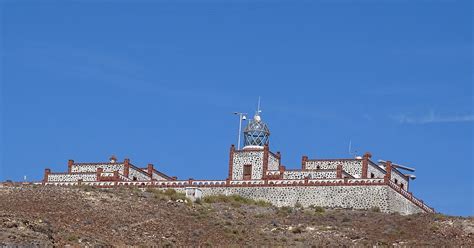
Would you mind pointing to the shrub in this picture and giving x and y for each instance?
(72, 238)
(284, 210)
(375, 209)
(169, 194)
(235, 200)
(319, 209)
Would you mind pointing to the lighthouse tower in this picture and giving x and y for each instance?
(256, 134)
(254, 161)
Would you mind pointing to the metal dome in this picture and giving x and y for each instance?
(256, 133)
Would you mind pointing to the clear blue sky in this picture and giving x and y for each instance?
(157, 82)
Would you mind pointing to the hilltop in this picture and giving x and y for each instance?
(85, 216)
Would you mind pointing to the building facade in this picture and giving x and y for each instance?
(256, 172)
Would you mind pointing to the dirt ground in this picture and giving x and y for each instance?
(53, 216)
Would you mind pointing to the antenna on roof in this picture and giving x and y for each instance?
(258, 106)
(352, 153)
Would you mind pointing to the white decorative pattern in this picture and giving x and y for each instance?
(136, 175)
(352, 167)
(354, 197)
(372, 169)
(273, 162)
(255, 158)
(107, 167)
(90, 177)
(400, 179)
(309, 174)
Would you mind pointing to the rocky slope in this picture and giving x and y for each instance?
(50, 216)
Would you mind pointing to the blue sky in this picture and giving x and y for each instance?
(157, 82)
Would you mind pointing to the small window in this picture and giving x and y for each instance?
(396, 181)
(134, 179)
(247, 171)
(401, 185)
(372, 175)
(318, 167)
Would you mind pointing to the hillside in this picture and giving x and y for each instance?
(50, 216)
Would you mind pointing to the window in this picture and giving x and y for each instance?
(318, 167)
(247, 171)
(396, 181)
(134, 178)
(401, 185)
(372, 175)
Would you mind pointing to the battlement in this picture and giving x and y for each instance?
(259, 174)
(256, 172)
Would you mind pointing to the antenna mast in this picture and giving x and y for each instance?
(258, 106)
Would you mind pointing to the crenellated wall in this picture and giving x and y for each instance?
(330, 183)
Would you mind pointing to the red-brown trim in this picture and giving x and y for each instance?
(231, 161)
(365, 164)
(73, 173)
(304, 159)
(310, 170)
(334, 159)
(47, 171)
(265, 161)
(126, 169)
(70, 162)
(388, 169)
(161, 174)
(250, 150)
(99, 174)
(339, 171)
(149, 169)
(97, 163)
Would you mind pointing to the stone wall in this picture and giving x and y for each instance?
(374, 169)
(351, 166)
(316, 174)
(349, 197)
(399, 203)
(138, 174)
(241, 158)
(74, 177)
(107, 167)
(273, 162)
(400, 179)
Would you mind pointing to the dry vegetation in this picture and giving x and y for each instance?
(49, 216)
